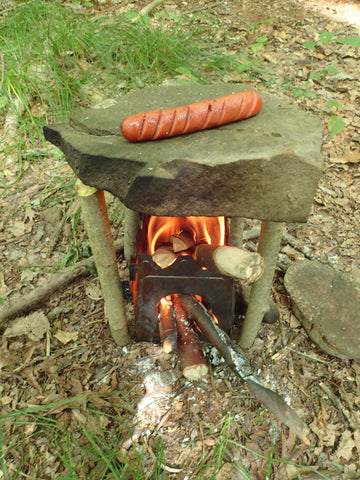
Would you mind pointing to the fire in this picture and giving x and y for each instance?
(211, 230)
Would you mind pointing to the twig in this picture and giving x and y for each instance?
(41, 294)
(163, 466)
(296, 243)
(59, 229)
(286, 238)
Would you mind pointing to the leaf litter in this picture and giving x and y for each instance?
(88, 384)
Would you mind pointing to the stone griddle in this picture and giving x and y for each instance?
(266, 167)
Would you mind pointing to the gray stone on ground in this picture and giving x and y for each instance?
(265, 167)
(327, 303)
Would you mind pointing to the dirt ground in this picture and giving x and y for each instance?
(77, 356)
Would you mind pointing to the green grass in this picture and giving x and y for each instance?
(57, 59)
(96, 450)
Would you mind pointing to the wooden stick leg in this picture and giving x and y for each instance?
(131, 226)
(269, 246)
(236, 231)
(98, 228)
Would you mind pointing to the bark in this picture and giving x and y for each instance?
(236, 231)
(238, 364)
(192, 361)
(269, 246)
(231, 261)
(53, 283)
(98, 228)
(167, 326)
(132, 222)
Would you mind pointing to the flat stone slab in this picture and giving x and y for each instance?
(266, 167)
(327, 303)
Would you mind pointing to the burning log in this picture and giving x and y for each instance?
(238, 364)
(164, 256)
(231, 261)
(192, 360)
(182, 241)
(167, 325)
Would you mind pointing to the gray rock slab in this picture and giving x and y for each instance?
(327, 303)
(265, 167)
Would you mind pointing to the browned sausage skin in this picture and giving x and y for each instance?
(191, 118)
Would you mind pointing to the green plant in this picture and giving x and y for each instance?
(90, 447)
(56, 59)
(336, 125)
(259, 44)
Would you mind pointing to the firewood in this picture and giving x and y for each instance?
(164, 256)
(167, 325)
(182, 241)
(231, 261)
(192, 360)
(239, 365)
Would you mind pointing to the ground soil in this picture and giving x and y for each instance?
(77, 356)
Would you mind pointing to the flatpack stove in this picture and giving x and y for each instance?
(164, 265)
(178, 189)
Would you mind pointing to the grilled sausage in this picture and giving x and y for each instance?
(191, 118)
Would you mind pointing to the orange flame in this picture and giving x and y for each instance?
(211, 230)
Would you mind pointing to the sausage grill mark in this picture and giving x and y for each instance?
(191, 118)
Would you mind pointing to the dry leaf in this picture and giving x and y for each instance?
(29, 214)
(79, 417)
(6, 400)
(346, 446)
(66, 337)
(34, 326)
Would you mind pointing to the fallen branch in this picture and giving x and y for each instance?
(20, 305)
(238, 364)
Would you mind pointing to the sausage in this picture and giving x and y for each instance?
(191, 118)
